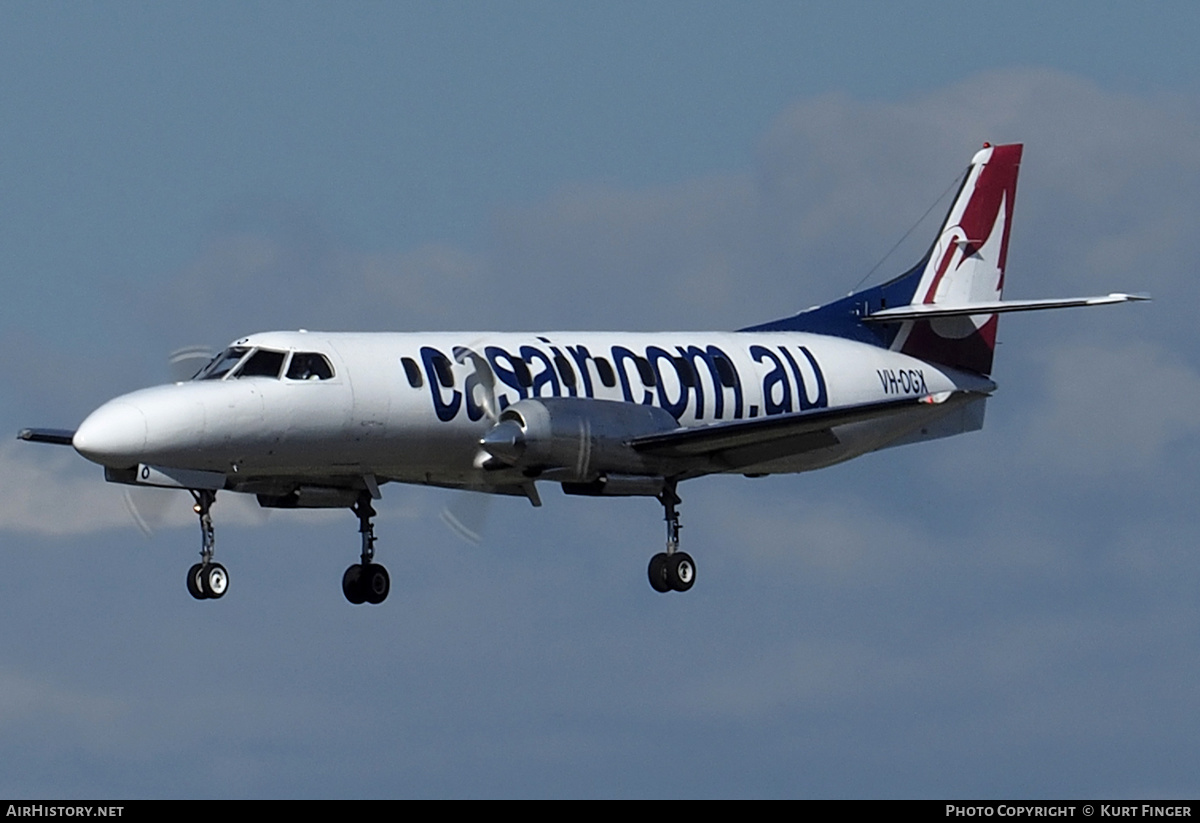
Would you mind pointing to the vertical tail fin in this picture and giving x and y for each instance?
(966, 265)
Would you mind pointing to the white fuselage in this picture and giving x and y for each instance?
(413, 407)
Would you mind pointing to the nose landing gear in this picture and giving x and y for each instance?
(206, 580)
(671, 570)
(366, 581)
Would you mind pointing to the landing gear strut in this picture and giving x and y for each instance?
(672, 570)
(206, 580)
(366, 581)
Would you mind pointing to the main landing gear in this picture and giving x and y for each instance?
(366, 582)
(671, 570)
(206, 580)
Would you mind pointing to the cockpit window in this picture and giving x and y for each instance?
(222, 363)
(263, 363)
(309, 366)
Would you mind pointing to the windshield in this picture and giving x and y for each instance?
(222, 363)
(237, 362)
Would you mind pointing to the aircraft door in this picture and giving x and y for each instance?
(372, 399)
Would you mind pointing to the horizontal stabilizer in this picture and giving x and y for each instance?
(59, 437)
(929, 311)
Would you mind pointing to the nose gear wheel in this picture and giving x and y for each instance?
(206, 580)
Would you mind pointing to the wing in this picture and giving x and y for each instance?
(742, 443)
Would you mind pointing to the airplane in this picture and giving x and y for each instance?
(306, 419)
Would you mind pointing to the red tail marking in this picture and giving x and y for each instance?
(942, 267)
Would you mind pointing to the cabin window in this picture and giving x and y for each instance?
(565, 370)
(607, 376)
(687, 376)
(222, 363)
(725, 371)
(645, 370)
(442, 366)
(412, 372)
(524, 377)
(263, 363)
(309, 366)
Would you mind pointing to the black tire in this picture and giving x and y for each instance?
(658, 573)
(352, 585)
(681, 571)
(193, 582)
(375, 583)
(214, 581)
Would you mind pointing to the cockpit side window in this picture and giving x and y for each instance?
(222, 363)
(309, 366)
(263, 363)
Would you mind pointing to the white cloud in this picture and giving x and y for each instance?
(52, 491)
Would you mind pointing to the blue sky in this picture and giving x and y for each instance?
(1010, 613)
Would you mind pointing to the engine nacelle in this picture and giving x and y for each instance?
(575, 439)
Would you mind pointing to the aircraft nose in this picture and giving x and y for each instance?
(113, 435)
